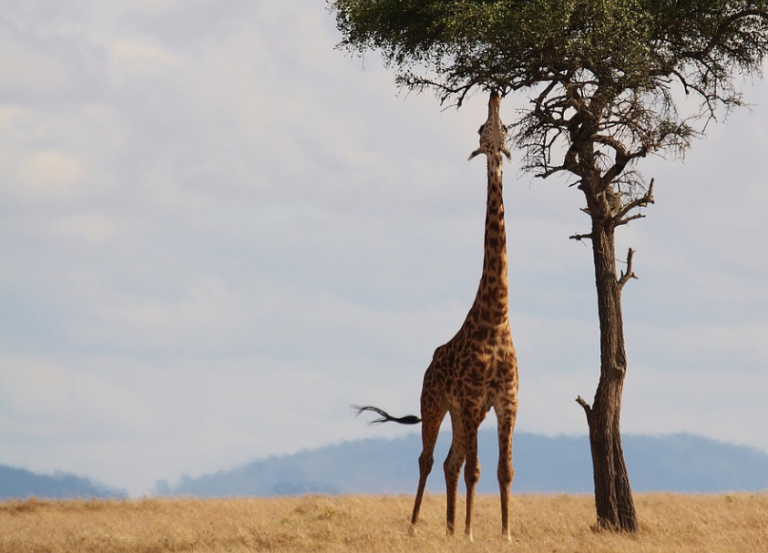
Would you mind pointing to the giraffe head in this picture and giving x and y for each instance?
(493, 133)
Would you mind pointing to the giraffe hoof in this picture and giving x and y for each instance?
(411, 530)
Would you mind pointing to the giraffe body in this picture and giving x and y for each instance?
(477, 369)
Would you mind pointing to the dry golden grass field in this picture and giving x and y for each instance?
(542, 523)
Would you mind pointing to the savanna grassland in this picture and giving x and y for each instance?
(541, 523)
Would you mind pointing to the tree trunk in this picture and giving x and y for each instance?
(613, 494)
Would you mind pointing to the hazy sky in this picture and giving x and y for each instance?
(218, 231)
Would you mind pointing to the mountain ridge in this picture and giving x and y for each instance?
(19, 483)
(675, 462)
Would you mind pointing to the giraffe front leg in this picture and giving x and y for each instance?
(452, 469)
(505, 474)
(471, 473)
(506, 424)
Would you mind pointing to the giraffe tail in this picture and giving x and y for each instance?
(386, 417)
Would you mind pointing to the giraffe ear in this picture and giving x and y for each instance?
(475, 153)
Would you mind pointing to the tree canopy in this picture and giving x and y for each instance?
(616, 62)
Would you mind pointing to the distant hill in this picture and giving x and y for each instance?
(680, 462)
(16, 483)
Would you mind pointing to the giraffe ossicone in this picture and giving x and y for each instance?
(476, 370)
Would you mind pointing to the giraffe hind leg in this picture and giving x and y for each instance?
(430, 428)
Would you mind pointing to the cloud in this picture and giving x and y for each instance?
(55, 402)
(725, 403)
(95, 228)
(50, 175)
(224, 231)
(45, 66)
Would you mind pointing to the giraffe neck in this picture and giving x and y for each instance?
(491, 303)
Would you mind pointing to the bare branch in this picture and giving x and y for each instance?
(612, 142)
(581, 237)
(628, 219)
(585, 405)
(551, 171)
(625, 276)
(621, 217)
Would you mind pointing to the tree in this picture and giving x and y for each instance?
(605, 78)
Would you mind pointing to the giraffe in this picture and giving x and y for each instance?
(477, 368)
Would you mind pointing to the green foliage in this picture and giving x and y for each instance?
(604, 72)
(515, 44)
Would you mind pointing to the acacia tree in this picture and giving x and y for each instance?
(604, 78)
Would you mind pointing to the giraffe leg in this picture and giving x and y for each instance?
(430, 428)
(452, 469)
(506, 424)
(471, 469)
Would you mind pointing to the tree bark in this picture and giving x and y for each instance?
(613, 494)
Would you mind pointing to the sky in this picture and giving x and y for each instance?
(218, 231)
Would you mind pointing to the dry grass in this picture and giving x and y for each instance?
(541, 523)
